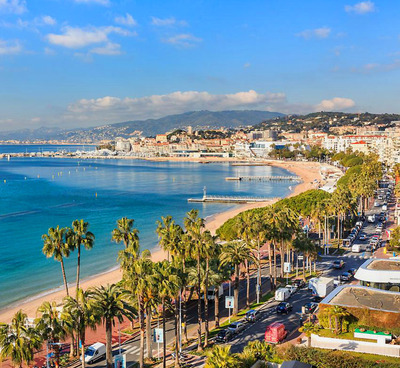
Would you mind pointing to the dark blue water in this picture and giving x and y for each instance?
(38, 193)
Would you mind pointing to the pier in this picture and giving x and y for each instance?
(264, 178)
(229, 199)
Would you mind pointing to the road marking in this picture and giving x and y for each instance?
(133, 350)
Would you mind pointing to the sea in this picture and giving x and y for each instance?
(37, 193)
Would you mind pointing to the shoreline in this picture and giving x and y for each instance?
(310, 173)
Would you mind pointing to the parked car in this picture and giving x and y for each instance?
(236, 327)
(299, 283)
(252, 315)
(346, 276)
(352, 271)
(309, 308)
(224, 336)
(284, 307)
(362, 237)
(316, 299)
(338, 264)
(291, 288)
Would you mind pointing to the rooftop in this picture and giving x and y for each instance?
(388, 265)
(364, 297)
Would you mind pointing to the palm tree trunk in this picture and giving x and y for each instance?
(148, 333)
(72, 346)
(275, 273)
(309, 341)
(83, 348)
(304, 268)
(184, 303)
(64, 276)
(206, 305)
(259, 269)
(216, 306)
(199, 319)
(164, 337)
(281, 251)
(176, 326)
(247, 284)
(236, 291)
(109, 357)
(141, 327)
(78, 268)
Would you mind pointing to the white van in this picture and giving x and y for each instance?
(356, 248)
(95, 352)
(282, 294)
(384, 207)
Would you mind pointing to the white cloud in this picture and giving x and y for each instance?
(49, 51)
(99, 2)
(363, 7)
(126, 20)
(13, 6)
(163, 22)
(320, 33)
(335, 104)
(47, 20)
(117, 109)
(184, 40)
(246, 65)
(377, 67)
(109, 49)
(75, 37)
(10, 48)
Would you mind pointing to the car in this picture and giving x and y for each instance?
(316, 299)
(94, 352)
(376, 204)
(299, 283)
(362, 237)
(352, 271)
(346, 276)
(284, 307)
(292, 288)
(236, 327)
(309, 308)
(224, 336)
(252, 315)
(338, 264)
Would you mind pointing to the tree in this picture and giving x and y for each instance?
(17, 341)
(338, 313)
(308, 329)
(111, 303)
(51, 327)
(81, 311)
(55, 245)
(77, 236)
(235, 253)
(220, 357)
(305, 246)
(169, 234)
(126, 233)
(194, 226)
(168, 284)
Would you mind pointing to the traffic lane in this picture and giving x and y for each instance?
(256, 331)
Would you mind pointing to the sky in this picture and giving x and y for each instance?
(81, 63)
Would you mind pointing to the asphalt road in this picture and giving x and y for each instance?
(256, 331)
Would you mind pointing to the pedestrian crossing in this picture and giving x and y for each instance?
(134, 350)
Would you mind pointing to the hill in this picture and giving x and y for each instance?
(150, 127)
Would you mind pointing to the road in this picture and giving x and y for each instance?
(268, 315)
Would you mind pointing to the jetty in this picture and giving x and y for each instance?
(229, 199)
(264, 178)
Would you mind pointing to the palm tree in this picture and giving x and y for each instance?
(77, 236)
(54, 245)
(126, 233)
(51, 327)
(194, 226)
(235, 253)
(308, 329)
(338, 313)
(168, 284)
(305, 246)
(17, 341)
(137, 280)
(169, 235)
(81, 310)
(220, 357)
(111, 303)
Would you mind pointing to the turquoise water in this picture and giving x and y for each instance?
(39, 193)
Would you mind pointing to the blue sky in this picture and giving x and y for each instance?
(78, 63)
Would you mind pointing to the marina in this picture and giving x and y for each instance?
(263, 178)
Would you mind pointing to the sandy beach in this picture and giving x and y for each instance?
(308, 171)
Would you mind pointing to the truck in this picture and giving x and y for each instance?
(371, 218)
(321, 286)
(282, 294)
(211, 292)
(275, 333)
